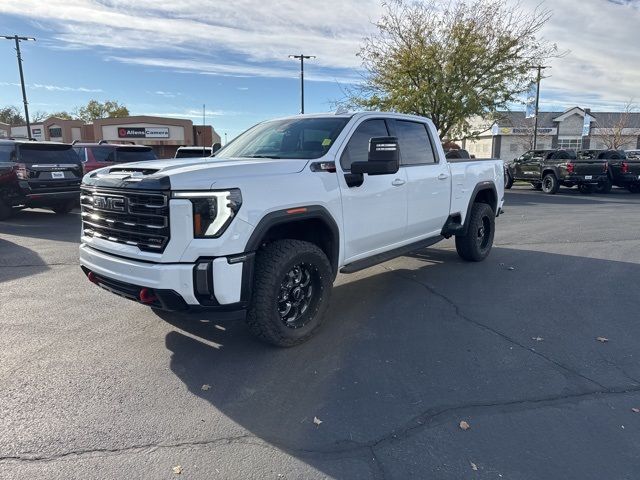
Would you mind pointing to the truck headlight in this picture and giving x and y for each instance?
(212, 211)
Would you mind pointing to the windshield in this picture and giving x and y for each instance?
(304, 138)
(6, 152)
(47, 153)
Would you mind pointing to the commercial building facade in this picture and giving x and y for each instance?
(163, 134)
(511, 134)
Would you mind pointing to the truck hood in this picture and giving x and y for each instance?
(192, 173)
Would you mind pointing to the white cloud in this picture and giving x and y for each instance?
(53, 88)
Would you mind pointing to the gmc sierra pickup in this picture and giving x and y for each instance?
(267, 224)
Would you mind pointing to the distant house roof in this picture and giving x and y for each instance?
(550, 119)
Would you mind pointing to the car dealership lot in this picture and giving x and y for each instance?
(95, 386)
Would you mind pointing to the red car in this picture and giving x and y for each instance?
(98, 155)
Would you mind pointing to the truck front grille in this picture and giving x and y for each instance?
(137, 218)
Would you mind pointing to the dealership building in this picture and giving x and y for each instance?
(511, 134)
(163, 134)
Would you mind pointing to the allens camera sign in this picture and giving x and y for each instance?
(143, 132)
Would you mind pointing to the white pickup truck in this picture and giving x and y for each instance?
(266, 225)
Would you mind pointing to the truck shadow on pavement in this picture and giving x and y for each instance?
(18, 262)
(520, 196)
(43, 224)
(414, 346)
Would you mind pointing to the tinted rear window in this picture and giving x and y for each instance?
(193, 153)
(6, 153)
(125, 155)
(38, 153)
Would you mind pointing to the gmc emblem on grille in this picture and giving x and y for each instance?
(117, 204)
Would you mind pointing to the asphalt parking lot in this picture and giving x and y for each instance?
(95, 386)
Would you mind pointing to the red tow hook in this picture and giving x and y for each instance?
(92, 278)
(147, 296)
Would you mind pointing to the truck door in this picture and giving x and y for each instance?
(375, 212)
(530, 166)
(428, 179)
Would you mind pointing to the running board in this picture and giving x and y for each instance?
(391, 254)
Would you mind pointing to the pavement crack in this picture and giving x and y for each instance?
(462, 315)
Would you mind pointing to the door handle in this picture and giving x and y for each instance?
(398, 182)
(443, 176)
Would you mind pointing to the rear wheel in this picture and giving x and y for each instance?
(64, 208)
(5, 211)
(476, 244)
(292, 286)
(550, 184)
(604, 187)
(634, 188)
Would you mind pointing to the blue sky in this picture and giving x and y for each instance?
(168, 58)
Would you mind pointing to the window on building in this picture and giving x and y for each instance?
(570, 144)
(55, 132)
(415, 147)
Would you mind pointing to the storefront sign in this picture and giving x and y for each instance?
(143, 132)
(526, 131)
(36, 132)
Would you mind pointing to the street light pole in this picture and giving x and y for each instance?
(18, 39)
(535, 127)
(302, 58)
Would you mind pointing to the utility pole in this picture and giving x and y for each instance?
(203, 120)
(18, 39)
(535, 127)
(302, 58)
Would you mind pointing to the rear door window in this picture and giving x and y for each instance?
(357, 149)
(415, 146)
(126, 155)
(101, 154)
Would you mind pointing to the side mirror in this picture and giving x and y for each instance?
(384, 157)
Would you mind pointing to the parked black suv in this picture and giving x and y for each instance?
(38, 174)
(547, 170)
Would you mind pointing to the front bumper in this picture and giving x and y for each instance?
(222, 283)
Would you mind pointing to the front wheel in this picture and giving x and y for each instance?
(64, 208)
(5, 211)
(550, 184)
(292, 287)
(508, 180)
(476, 244)
(634, 188)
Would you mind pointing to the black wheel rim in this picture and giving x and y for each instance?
(297, 298)
(547, 184)
(483, 233)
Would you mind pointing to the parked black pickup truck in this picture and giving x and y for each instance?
(625, 172)
(547, 170)
(38, 174)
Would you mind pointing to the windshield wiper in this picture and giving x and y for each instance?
(258, 156)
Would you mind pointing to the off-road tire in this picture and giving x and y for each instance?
(604, 187)
(273, 263)
(508, 180)
(64, 208)
(473, 246)
(550, 184)
(5, 211)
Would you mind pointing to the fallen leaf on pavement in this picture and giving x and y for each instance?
(464, 425)
(474, 466)
(602, 339)
(537, 339)
(205, 387)
(635, 410)
(177, 469)
(317, 421)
